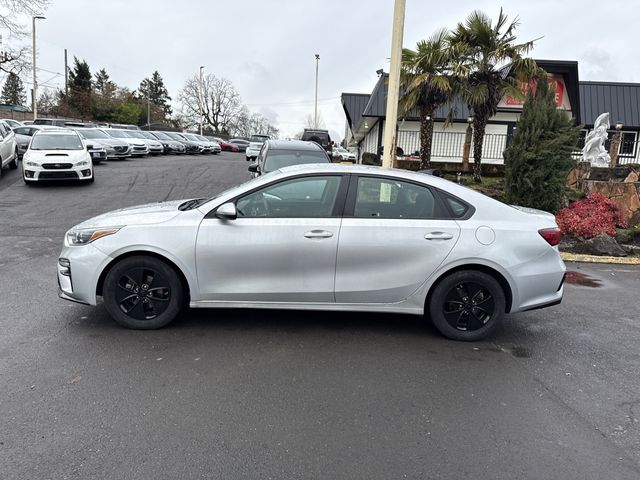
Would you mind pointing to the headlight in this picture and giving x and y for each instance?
(88, 235)
(82, 163)
(31, 164)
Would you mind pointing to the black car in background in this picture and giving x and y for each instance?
(277, 154)
(190, 147)
(321, 137)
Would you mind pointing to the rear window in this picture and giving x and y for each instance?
(259, 138)
(285, 158)
(319, 137)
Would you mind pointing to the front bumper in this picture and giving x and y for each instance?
(79, 280)
(37, 174)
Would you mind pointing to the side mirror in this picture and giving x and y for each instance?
(227, 211)
(254, 168)
(89, 147)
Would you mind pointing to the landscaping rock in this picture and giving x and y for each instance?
(603, 244)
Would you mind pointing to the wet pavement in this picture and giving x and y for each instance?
(555, 394)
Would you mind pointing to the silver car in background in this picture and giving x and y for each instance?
(138, 146)
(155, 147)
(114, 147)
(321, 237)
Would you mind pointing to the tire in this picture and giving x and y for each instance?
(124, 288)
(13, 164)
(454, 313)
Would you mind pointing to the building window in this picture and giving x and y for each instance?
(628, 144)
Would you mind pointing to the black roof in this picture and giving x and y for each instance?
(376, 103)
(354, 104)
(621, 100)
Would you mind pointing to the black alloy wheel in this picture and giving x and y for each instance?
(467, 305)
(142, 293)
(13, 164)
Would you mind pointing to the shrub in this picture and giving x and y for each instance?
(590, 217)
(538, 158)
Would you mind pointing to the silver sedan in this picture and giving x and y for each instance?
(320, 237)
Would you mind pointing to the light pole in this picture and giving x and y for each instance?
(35, 81)
(391, 117)
(200, 98)
(315, 109)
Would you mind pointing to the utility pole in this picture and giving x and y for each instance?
(391, 118)
(201, 98)
(34, 54)
(315, 109)
(148, 112)
(66, 75)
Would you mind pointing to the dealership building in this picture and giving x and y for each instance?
(584, 101)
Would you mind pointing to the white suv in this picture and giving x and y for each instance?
(8, 148)
(57, 154)
(255, 144)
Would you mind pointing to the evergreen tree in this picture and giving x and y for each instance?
(80, 76)
(157, 93)
(103, 85)
(13, 91)
(80, 89)
(539, 157)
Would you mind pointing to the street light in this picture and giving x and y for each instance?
(200, 98)
(35, 81)
(315, 110)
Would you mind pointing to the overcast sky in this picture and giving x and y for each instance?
(266, 48)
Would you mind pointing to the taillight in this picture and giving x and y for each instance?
(551, 235)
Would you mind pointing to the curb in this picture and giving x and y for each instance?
(576, 257)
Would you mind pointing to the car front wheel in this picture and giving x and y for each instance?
(467, 305)
(143, 293)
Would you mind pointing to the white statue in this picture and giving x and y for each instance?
(594, 151)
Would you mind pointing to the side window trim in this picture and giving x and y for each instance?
(441, 206)
(338, 207)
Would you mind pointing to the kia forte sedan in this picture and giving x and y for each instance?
(320, 237)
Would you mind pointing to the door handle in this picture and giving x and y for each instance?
(438, 236)
(318, 234)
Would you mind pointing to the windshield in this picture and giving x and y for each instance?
(92, 133)
(147, 135)
(161, 136)
(191, 137)
(45, 141)
(259, 138)
(136, 134)
(283, 158)
(118, 134)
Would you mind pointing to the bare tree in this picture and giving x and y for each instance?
(14, 59)
(221, 103)
(250, 123)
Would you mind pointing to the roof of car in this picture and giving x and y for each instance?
(56, 131)
(294, 145)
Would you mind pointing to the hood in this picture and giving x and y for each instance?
(135, 141)
(112, 142)
(56, 156)
(147, 214)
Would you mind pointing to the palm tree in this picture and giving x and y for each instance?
(426, 84)
(489, 66)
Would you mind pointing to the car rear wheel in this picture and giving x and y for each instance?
(143, 293)
(13, 164)
(467, 305)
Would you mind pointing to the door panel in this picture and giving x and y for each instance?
(267, 259)
(386, 260)
(393, 237)
(282, 247)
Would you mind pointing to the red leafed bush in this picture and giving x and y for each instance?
(590, 217)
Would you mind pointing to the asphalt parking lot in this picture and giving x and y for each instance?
(272, 394)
